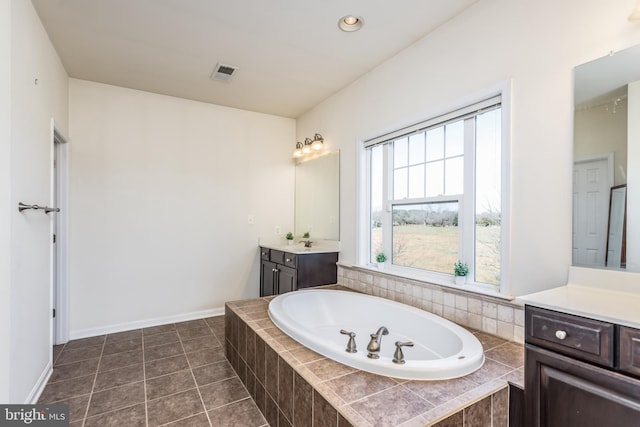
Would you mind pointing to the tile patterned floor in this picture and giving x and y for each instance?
(173, 375)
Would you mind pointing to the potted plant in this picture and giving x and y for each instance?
(289, 237)
(460, 270)
(306, 235)
(380, 259)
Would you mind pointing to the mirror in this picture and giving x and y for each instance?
(607, 162)
(616, 236)
(317, 197)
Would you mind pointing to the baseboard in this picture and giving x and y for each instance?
(39, 386)
(120, 327)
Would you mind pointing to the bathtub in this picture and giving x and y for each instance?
(314, 318)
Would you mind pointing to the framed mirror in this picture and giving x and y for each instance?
(607, 162)
(617, 232)
(317, 197)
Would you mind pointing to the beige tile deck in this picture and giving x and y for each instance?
(365, 399)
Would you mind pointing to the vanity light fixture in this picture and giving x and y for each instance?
(309, 146)
(350, 23)
(635, 15)
(318, 142)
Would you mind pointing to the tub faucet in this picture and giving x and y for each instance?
(374, 345)
(307, 243)
(398, 356)
(351, 345)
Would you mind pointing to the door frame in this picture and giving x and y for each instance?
(59, 281)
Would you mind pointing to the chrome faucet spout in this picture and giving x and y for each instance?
(307, 243)
(382, 330)
(374, 345)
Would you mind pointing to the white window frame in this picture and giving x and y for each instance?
(503, 90)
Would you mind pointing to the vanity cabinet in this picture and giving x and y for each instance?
(579, 371)
(282, 272)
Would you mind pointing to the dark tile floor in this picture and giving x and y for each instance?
(174, 375)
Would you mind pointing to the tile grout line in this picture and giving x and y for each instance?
(101, 362)
(95, 379)
(53, 363)
(193, 376)
(249, 396)
(182, 419)
(175, 392)
(144, 379)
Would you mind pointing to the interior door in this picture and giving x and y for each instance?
(55, 285)
(59, 232)
(591, 183)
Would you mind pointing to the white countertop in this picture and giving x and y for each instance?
(298, 248)
(594, 294)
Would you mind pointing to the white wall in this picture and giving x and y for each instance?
(32, 107)
(5, 192)
(535, 44)
(633, 201)
(161, 190)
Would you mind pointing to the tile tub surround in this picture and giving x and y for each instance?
(488, 314)
(293, 385)
(170, 375)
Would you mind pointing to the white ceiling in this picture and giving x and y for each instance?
(290, 53)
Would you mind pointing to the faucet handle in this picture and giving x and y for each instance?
(398, 356)
(351, 345)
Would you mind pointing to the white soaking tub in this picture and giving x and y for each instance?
(314, 318)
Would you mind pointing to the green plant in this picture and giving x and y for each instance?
(289, 236)
(460, 268)
(381, 257)
(306, 235)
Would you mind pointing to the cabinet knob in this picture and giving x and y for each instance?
(560, 334)
(288, 260)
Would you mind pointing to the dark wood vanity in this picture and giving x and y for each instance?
(282, 272)
(580, 372)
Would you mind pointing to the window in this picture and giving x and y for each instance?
(435, 195)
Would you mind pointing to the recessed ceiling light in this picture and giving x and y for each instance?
(350, 23)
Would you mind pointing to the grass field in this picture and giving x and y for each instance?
(436, 249)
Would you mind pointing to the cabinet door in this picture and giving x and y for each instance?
(563, 392)
(629, 354)
(286, 279)
(267, 276)
(317, 269)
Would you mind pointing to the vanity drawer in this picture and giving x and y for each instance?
(629, 353)
(264, 254)
(276, 256)
(290, 260)
(576, 336)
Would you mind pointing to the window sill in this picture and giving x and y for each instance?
(444, 280)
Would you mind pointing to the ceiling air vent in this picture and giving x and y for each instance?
(223, 72)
